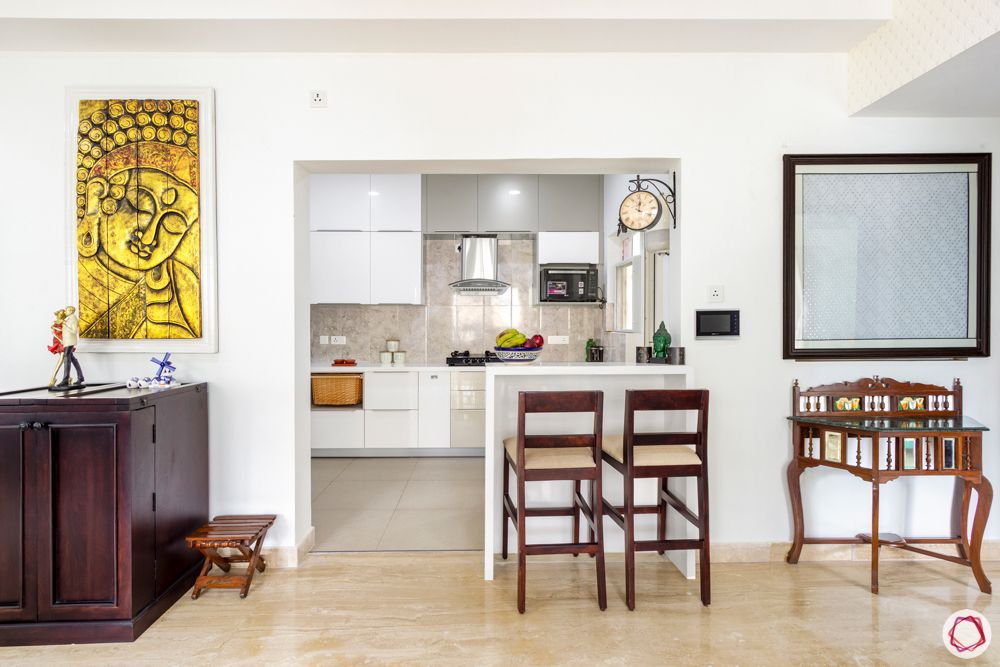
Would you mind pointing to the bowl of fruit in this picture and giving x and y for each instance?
(515, 347)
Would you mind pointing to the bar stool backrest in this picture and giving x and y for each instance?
(561, 401)
(666, 400)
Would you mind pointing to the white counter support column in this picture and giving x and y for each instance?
(504, 381)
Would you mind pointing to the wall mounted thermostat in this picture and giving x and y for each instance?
(709, 323)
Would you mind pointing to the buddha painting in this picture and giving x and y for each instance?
(138, 234)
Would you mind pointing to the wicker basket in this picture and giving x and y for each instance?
(337, 389)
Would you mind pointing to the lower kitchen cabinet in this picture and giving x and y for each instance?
(435, 411)
(97, 493)
(338, 428)
(468, 428)
(391, 428)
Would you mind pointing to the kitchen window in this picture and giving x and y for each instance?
(627, 288)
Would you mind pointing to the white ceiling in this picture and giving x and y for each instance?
(448, 26)
(967, 85)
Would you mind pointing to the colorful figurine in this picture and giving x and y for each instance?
(57, 345)
(70, 337)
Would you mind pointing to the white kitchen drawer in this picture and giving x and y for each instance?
(391, 390)
(468, 400)
(338, 428)
(391, 428)
(468, 428)
(475, 380)
(435, 409)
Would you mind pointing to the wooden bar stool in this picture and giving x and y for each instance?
(244, 533)
(556, 457)
(661, 456)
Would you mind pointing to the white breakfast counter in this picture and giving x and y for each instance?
(504, 381)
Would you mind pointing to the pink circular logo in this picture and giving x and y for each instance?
(966, 634)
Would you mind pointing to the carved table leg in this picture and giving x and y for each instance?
(984, 498)
(794, 472)
(960, 515)
(875, 543)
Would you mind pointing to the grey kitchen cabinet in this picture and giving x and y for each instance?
(569, 203)
(450, 201)
(508, 203)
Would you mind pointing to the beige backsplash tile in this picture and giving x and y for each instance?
(449, 321)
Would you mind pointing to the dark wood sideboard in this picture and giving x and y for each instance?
(98, 489)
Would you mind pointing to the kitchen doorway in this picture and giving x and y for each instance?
(398, 504)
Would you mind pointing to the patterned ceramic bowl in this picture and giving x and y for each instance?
(523, 355)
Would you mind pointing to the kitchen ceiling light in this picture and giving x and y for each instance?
(513, 192)
(372, 193)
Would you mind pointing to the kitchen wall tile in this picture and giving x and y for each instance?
(525, 319)
(441, 325)
(412, 323)
(383, 324)
(495, 320)
(554, 320)
(443, 266)
(468, 331)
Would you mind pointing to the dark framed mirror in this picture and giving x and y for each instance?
(886, 256)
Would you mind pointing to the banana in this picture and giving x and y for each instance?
(505, 334)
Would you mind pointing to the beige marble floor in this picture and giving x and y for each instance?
(435, 609)
(398, 504)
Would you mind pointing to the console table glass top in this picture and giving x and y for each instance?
(957, 424)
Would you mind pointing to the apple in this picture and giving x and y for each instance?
(529, 344)
(538, 340)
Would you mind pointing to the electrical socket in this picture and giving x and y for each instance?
(317, 99)
(558, 340)
(338, 340)
(716, 293)
(324, 340)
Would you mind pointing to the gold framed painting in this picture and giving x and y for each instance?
(142, 218)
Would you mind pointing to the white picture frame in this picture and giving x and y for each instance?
(209, 341)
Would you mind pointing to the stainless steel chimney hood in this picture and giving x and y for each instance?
(479, 267)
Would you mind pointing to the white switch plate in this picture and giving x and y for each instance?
(324, 340)
(338, 340)
(317, 99)
(716, 294)
(558, 340)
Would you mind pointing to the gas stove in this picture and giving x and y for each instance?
(457, 358)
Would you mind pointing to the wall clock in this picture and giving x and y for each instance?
(641, 209)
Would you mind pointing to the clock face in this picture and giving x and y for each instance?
(640, 210)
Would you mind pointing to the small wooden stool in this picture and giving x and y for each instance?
(242, 532)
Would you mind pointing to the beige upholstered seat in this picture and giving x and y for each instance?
(651, 455)
(540, 458)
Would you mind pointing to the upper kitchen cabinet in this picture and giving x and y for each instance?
(396, 267)
(451, 203)
(339, 270)
(395, 202)
(340, 202)
(569, 203)
(508, 203)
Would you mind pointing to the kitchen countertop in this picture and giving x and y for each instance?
(538, 368)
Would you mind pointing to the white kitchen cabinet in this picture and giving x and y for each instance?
(468, 380)
(339, 202)
(569, 203)
(391, 390)
(507, 203)
(569, 248)
(468, 428)
(396, 267)
(396, 202)
(391, 428)
(338, 428)
(435, 411)
(339, 269)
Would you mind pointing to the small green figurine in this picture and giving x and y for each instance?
(661, 341)
(586, 348)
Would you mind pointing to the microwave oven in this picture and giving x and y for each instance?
(569, 284)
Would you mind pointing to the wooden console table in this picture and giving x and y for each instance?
(880, 429)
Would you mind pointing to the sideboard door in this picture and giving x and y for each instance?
(83, 542)
(17, 555)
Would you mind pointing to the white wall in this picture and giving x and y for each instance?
(728, 118)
